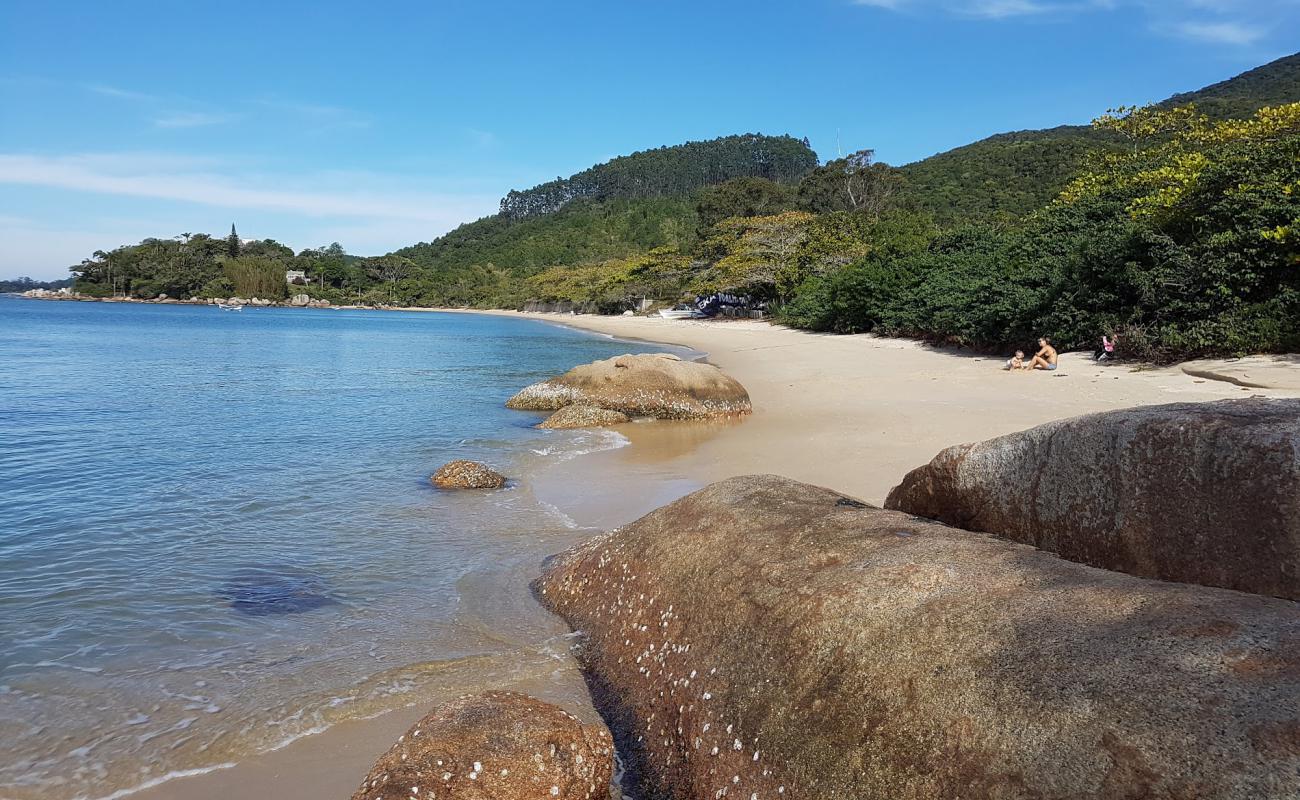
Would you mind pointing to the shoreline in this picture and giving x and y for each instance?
(853, 413)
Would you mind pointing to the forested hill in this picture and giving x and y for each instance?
(1273, 84)
(1010, 174)
(629, 204)
(675, 171)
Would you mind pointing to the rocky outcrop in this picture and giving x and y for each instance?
(497, 746)
(462, 474)
(1204, 493)
(653, 385)
(300, 300)
(583, 416)
(763, 638)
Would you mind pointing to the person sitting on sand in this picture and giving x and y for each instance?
(1046, 356)
(1016, 362)
(1107, 351)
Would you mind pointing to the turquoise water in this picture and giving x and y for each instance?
(217, 533)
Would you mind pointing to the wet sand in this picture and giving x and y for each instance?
(852, 413)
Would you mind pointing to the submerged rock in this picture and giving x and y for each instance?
(271, 590)
(583, 416)
(767, 638)
(462, 474)
(654, 385)
(497, 746)
(1204, 493)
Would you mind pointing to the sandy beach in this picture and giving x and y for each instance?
(852, 413)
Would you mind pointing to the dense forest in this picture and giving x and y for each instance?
(26, 284)
(669, 172)
(1172, 225)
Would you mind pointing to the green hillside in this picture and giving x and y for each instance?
(1273, 84)
(1011, 174)
(674, 171)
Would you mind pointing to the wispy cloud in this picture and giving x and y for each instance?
(1229, 33)
(999, 9)
(176, 111)
(319, 115)
(172, 178)
(1228, 23)
(192, 119)
(121, 94)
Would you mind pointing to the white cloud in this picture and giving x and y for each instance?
(368, 212)
(1229, 33)
(121, 94)
(321, 116)
(1230, 23)
(179, 179)
(191, 119)
(998, 9)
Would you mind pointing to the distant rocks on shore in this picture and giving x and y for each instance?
(652, 385)
(297, 301)
(1205, 493)
(497, 745)
(583, 416)
(461, 474)
(766, 638)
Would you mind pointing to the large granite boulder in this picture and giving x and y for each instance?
(461, 474)
(652, 385)
(766, 638)
(1204, 493)
(494, 746)
(583, 416)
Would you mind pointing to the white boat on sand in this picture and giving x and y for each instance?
(682, 313)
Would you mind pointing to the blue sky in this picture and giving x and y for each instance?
(390, 124)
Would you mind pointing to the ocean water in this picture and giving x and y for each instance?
(217, 532)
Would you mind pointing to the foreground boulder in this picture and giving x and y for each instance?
(462, 474)
(582, 416)
(1204, 493)
(766, 638)
(654, 385)
(498, 745)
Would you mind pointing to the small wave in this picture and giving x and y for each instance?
(564, 519)
(158, 781)
(582, 444)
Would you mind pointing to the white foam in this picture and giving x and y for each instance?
(161, 779)
(584, 443)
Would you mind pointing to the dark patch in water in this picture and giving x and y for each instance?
(266, 591)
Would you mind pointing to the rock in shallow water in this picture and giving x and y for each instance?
(467, 475)
(494, 746)
(654, 385)
(267, 591)
(765, 637)
(1204, 493)
(583, 416)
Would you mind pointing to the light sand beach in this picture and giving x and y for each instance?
(852, 413)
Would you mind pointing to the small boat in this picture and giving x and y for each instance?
(229, 307)
(682, 313)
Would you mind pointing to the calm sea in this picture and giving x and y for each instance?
(217, 533)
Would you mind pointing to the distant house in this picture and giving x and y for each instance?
(297, 277)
